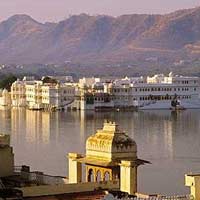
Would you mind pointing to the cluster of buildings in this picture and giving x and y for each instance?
(109, 166)
(127, 93)
(37, 94)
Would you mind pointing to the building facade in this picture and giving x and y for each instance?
(39, 95)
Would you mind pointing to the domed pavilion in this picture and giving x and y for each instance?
(110, 155)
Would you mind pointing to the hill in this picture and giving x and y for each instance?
(136, 39)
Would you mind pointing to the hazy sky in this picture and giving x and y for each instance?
(55, 10)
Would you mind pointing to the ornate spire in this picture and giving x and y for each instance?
(110, 127)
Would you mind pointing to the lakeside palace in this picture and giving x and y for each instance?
(129, 93)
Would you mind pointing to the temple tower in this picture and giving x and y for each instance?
(110, 155)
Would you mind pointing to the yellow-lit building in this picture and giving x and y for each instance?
(5, 98)
(57, 96)
(34, 95)
(38, 95)
(111, 155)
(193, 181)
(18, 94)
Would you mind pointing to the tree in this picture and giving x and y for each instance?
(6, 82)
(49, 80)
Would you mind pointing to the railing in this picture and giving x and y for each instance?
(178, 197)
(52, 190)
(148, 103)
(1, 185)
(38, 178)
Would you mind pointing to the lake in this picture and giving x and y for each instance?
(170, 141)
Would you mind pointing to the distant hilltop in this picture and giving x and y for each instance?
(138, 38)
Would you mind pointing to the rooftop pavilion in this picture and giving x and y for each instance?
(110, 155)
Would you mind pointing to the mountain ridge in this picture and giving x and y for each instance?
(133, 38)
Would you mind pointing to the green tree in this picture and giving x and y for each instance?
(6, 82)
(49, 80)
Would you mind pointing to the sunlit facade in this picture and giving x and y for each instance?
(39, 95)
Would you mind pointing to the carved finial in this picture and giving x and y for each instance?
(106, 121)
(110, 126)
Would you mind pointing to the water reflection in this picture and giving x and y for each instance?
(171, 141)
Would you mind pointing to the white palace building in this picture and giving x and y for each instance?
(158, 92)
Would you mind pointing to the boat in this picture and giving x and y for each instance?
(176, 105)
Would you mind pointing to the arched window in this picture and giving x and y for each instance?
(107, 176)
(90, 175)
(98, 176)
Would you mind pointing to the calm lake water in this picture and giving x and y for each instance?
(170, 141)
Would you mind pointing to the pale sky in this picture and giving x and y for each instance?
(56, 10)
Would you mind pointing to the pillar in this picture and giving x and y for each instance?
(75, 168)
(6, 161)
(6, 157)
(128, 177)
(193, 181)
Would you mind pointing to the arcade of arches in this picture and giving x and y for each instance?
(97, 174)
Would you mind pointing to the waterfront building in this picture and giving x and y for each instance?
(34, 95)
(92, 96)
(96, 101)
(18, 94)
(157, 92)
(57, 96)
(158, 78)
(38, 95)
(160, 91)
(88, 81)
(5, 98)
(121, 92)
(49, 95)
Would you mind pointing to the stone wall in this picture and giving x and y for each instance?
(6, 161)
(47, 190)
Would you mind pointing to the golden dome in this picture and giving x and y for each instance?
(111, 144)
